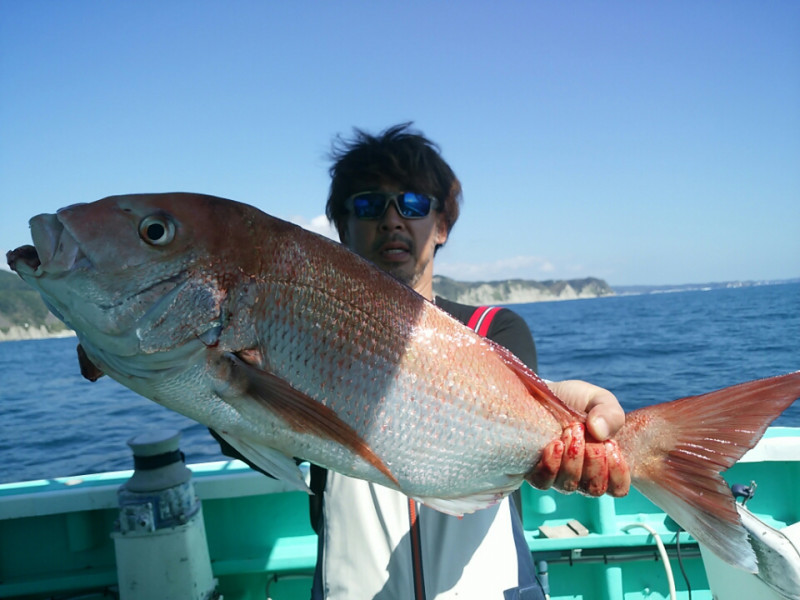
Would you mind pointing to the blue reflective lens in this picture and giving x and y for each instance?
(372, 205)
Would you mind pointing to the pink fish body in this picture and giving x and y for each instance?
(289, 346)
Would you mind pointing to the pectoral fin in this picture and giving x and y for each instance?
(89, 370)
(301, 412)
(270, 461)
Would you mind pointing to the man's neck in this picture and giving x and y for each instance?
(424, 284)
(425, 290)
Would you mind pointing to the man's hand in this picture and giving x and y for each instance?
(589, 463)
(605, 415)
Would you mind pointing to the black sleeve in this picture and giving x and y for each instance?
(511, 331)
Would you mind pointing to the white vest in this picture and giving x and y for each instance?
(367, 550)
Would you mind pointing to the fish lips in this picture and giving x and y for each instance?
(24, 258)
(54, 249)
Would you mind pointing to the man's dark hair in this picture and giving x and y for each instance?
(398, 156)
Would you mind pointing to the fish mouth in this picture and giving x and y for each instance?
(25, 257)
(54, 249)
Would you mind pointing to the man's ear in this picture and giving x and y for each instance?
(441, 230)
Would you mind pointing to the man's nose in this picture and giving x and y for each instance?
(392, 219)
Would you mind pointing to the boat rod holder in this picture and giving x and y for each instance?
(160, 538)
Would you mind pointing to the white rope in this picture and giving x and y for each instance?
(662, 551)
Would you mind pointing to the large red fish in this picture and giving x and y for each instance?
(291, 346)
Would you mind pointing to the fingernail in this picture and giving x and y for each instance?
(600, 428)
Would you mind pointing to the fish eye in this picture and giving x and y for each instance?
(157, 230)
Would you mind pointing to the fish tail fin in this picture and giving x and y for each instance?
(676, 451)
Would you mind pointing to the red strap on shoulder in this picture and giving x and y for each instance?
(481, 319)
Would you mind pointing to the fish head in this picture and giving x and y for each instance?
(136, 274)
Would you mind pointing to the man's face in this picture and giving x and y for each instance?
(402, 247)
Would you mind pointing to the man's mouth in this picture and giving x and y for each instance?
(394, 250)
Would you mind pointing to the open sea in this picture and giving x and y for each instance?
(645, 348)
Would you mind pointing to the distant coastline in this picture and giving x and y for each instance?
(519, 291)
(23, 315)
(624, 290)
(16, 333)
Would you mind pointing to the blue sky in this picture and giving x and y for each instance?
(639, 142)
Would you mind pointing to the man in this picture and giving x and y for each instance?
(394, 201)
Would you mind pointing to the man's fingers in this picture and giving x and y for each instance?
(571, 463)
(569, 475)
(544, 473)
(594, 479)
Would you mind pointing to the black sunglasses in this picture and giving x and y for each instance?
(372, 205)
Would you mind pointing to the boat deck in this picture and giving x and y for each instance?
(55, 534)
